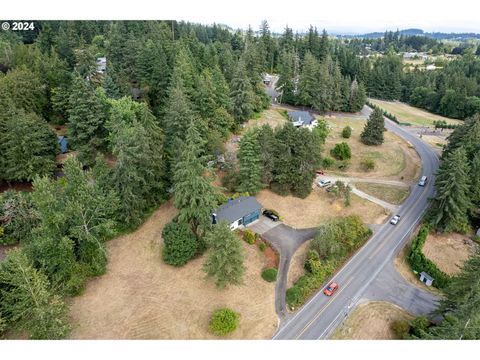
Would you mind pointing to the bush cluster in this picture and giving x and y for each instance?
(419, 262)
(262, 246)
(327, 162)
(367, 164)
(347, 132)
(341, 151)
(269, 274)
(401, 328)
(249, 236)
(180, 244)
(442, 124)
(223, 322)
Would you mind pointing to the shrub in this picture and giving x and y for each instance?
(347, 132)
(401, 328)
(341, 151)
(262, 246)
(419, 262)
(223, 322)
(269, 274)
(419, 325)
(249, 236)
(327, 162)
(180, 244)
(367, 164)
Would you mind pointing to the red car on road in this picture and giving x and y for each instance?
(330, 289)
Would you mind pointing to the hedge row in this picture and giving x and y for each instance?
(419, 262)
(386, 114)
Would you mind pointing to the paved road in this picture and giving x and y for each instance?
(317, 318)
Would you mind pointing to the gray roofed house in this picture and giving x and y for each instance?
(237, 212)
(302, 119)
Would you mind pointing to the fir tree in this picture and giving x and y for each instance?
(475, 180)
(225, 256)
(452, 202)
(250, 164)
(242, 94)
(373, 131)
(357, 97)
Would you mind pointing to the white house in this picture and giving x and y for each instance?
(101, 65)
(302, 119)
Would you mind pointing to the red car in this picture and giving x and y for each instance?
(320, 172)
(330, 289)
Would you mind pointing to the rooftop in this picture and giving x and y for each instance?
(236, 209)
(301, 116)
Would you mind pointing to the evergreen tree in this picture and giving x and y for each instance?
(86, 120)
(250, 164)
(309, 82)
(195, 197)
(28, 146)
(242, 94)
(475, 180)
(452, 202)
(373, 131)
(225, 256)
(357, 97)
(27, 302)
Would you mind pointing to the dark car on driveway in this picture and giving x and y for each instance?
(270, 215)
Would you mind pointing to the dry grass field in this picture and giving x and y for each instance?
(371, 321)
(296, 268)
(319, 207)
(272, 117)
(448, 251)
(409, 114)
(395, 159)
(140, 297)
(389, 193)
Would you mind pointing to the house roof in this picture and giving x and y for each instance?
(303, 116)
(426, 276)
(238, 208)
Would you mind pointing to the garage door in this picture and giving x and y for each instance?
(247, 219)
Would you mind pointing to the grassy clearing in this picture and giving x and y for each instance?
(140, 297)
(371, 321)
(409, 114)
(389, 193)
(296, 268)
(272, 117)
(319, 207)
(395, 159)
(448, 251)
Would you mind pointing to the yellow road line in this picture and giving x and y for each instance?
(324, 308)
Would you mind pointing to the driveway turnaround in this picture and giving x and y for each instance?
(321, 314)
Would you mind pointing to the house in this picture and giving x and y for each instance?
(241, 211)
(63, 143)
(426, 279)
(267, 79)
(302, 119)
(101, 65)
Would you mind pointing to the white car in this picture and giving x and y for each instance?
(323, 183)
(395, 220)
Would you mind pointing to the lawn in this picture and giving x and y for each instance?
(412, 115)
(319, 207)
(371, 321)
(389, 193)
(395, 159)
(140, 297)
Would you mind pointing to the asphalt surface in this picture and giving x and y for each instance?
(321, 314)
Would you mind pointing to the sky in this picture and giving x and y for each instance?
(345, 16)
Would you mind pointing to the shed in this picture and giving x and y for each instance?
(63, 143)
(425, 278)
(101, 64)
(241, 211)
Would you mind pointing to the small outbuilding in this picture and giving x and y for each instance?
(302, 119)
(101, 65)
(426, 279)
(63, 143)
(237, 212)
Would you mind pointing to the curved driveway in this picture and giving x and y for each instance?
(319, 316)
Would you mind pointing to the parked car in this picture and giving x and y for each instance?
(320, 172)
(330, 289)
(395, 220)
(423, 181)
(323, 183)
(269, 214)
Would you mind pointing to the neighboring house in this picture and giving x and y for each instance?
(241, 211)
(63, 143)
(430, 67)
(267, 79)
(302, 119)
(101, 65)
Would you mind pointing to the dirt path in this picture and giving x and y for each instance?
(140, 297)
(375, 200)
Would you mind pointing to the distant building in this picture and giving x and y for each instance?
(430, 67)
(302, 119)
(241, 211)
(267, 79)
(63, 143)
(426, 279)
(101, 65)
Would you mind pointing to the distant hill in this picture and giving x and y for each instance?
(411, 32)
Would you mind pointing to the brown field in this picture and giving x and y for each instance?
(140, 297)
(448, 251)
(272, 117)
(409, 114)
(296, 268)
(389, 193)
(371, 321)
(319, 207)
(395, 159)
